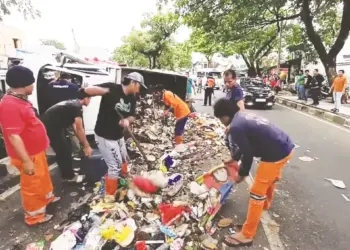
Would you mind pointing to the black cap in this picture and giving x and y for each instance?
(19, 77)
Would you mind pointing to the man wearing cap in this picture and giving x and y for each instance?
(26, 141)
(110, 126)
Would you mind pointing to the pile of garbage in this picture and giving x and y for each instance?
(171, 206)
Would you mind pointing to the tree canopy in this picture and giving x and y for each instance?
(55, 43)
(153, 44)
(324, 23)
(23, 6)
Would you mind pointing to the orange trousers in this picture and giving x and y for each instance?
(261, 193)
(36, 190)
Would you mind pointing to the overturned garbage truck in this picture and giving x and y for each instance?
(86, 73)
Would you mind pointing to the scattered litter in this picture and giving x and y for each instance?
(296, 146)
(36, 245)
(306, 158)
(225, 222)
(336, 183)
(346, 197)
(170, 207)
(275, 215)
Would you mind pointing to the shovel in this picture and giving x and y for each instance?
(149, 166)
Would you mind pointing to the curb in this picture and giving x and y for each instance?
(317, 112)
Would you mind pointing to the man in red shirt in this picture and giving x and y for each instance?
(26, 141)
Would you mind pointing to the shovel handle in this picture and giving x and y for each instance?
(136, 142)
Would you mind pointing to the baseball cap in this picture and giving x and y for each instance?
(137, 77)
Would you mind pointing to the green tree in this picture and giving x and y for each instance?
(157, 34)
(55, 43)
(177, 56)
(326, 23)
(128, 53)
(152, 41)
(253, 48)
(23, 6)
(203, 42)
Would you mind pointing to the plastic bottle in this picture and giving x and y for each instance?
(165, 246)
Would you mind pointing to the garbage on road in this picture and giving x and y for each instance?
(170, 207)
(337, 183)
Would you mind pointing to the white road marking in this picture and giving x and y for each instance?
(15, 188)
(271, 228)
(316, 118)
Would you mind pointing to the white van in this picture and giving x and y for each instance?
(202, 76)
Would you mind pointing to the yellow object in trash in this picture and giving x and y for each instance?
(163, 168)
(119, 237)
(132, 204)
(109, 233)
(211, 134)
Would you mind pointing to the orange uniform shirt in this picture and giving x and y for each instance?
(181, 108)
(211, 83)
(339, 83)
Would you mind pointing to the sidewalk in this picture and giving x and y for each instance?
(323, 110)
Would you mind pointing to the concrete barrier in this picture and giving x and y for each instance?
(314, 111)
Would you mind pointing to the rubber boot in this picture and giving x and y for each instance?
(179, 140)
(124, 173)
(111, 185)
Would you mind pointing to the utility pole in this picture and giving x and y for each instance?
(75, 41)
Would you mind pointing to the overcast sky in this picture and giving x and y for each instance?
(97, 23)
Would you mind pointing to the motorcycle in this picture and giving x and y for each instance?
(325, 91)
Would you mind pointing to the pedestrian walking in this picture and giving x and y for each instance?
(301, 85)
(109, 129)
(190, 88)
(255, 137)
(315, 89)
(338, 88)
(181, 112)
(307, 86)
(56, 120)
(209, 89)
(26, 141)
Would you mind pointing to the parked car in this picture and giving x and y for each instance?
(257, 93)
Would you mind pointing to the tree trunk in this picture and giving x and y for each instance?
(154, 62)
(330, 65)
(150, 62)
(252, 71)
(258, 71)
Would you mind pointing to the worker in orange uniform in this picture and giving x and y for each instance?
(209, 90)
(181, 112)
(255, 137)
(26, 141)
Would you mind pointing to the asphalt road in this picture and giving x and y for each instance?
(311, 212)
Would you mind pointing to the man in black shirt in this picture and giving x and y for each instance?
(316, 85)
(56, 120)
(308, 80)
(110, 126)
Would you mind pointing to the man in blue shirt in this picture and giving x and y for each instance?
(235, 92)
(235, 95)
(255, 137)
